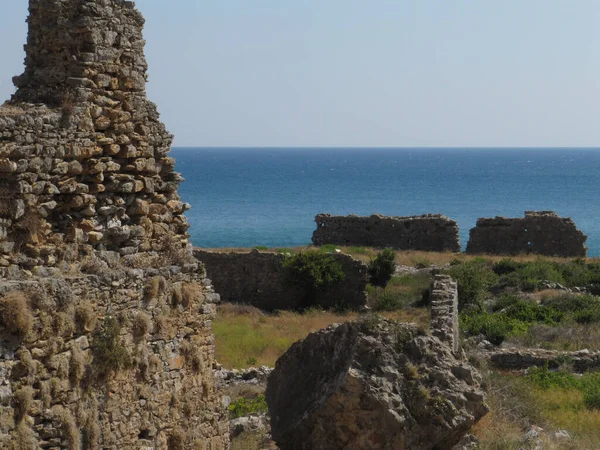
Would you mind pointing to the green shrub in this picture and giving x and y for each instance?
(591, 396)
(327, 248)
(547, 379)
(495, 327)
(314, 272)
(385, 300)
(246, 406)
(110, 355)
(474, 279)
(581, 308)
(531, 312)
(506, 266)
(382, 267)
(261, 247)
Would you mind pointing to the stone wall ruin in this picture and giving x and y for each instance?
(430, 232)
(539, 232)
(84, 159)
(258, 279)
(444, 311)
(105, 316)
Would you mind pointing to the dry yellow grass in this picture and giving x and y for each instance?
(410, 257)
(245, 336)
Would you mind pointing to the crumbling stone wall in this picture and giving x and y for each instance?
(259, 279)
(430, 232)
(53, 392)
(444, 311)
(523, 358)
(539, 232)
(105, 316)
(84, 159)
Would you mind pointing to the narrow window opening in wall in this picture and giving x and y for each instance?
(529, 244)
(526, 230)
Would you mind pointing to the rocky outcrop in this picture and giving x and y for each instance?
(429, 232)
(539, 232)
(259, 279)
(373, 384)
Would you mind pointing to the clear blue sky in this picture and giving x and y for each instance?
(365, 73)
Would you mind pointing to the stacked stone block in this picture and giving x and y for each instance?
(83, 157)
(539, 232)
(430, 232)
(444, 311)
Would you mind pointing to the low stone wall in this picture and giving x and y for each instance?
(542, 233)
(52, 394)
(444, 311)
(521, 359)
(258, 279)
(430, 232)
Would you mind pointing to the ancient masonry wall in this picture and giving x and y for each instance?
(444, 311)
(521, 359)
(105, 316)
(84, 159)
(259, 279)
(542, 233)
(57, 388)
(431, 232)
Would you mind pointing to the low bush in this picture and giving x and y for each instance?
(386, 300)
(495, 327)
(382, 268)
(110, 355)
(246, 406)
(16, 314)
(474, 278)
(314, 272)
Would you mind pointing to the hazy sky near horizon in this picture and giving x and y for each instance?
(365, 73)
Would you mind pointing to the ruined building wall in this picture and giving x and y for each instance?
(542, 233)
(444, 311)
(57, 385)
(105, 316)
(431, 232)
(259, 279)
(84, 159)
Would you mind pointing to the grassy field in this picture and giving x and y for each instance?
(246, 336)
(403, 257)
(503, 299)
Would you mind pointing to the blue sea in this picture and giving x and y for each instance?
(244, 197)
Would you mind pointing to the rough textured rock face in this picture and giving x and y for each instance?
(542, 233)
(444, 311)
(372, 385)
(258, 278)
(105, 316)
(523, 358)
(83, 157)
(430, 232)
(65, 384)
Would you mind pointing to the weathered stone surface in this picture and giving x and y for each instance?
(258, 279)
(539, 232)
(524, 358)
(375, 384)
(444, 311)
(81, 146)
(430, 232)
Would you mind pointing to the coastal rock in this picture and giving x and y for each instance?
(372, 384)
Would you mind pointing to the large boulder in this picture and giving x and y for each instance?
(372, 384)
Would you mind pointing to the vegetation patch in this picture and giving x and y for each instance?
(382, 268)
(246, 406)
(110, 355)
(314, 272)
